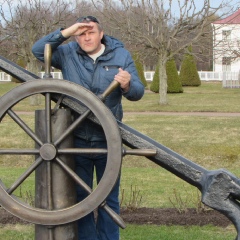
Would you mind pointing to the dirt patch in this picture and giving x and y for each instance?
(171, 216)
(7, 218)
(157, 216)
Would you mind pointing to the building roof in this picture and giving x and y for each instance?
(232, 19)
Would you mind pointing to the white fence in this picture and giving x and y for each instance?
(228, 79)
(231, 80)
(149, 75)
(4, 77)
(210, 76)
(57, 75)
(204, 76)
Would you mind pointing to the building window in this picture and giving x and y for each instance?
(226, 34)
(226, 64)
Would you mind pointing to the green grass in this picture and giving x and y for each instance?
(156, 187)
(209, 97)
(212, 142)
(7, 86)
(138, 232)
(27, 189)
(17, 232)
(149, 232)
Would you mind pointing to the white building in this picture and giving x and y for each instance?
(226, 44)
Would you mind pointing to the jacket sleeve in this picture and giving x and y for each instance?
(54, 39)
(136, 89)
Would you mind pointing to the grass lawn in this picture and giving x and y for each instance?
(137, 232)
(149, 232)
(212, 142)
(209, 97)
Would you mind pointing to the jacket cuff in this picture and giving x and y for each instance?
(57, 35)
(128, 91)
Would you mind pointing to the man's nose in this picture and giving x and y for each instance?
(87, 37)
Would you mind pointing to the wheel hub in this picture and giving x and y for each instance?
(48, 152)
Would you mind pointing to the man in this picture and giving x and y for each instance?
(93, 61)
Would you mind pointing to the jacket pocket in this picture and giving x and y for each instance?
(111, 67)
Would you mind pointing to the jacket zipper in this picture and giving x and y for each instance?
(107, 68)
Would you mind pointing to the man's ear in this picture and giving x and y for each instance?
(102, 33)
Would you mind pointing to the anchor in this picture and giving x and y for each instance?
(219, 189)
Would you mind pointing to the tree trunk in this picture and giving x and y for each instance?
(162, 83)
(32, 66)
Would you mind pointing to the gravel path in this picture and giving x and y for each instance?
(207, 114)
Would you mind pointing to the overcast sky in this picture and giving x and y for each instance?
(199, 3)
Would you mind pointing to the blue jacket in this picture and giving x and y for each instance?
(78, 67)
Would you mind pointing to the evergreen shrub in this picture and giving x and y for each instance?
(140, 69)
(154, 87)
(188, 72)
(173, 80)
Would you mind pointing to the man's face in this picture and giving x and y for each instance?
(90, 40)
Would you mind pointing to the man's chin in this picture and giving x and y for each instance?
(88, 50)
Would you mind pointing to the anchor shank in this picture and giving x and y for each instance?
(166, 158)
(220, 189)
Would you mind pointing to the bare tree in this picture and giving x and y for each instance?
(160, 29)
(26, 21)
(227, 43)
(203, 48)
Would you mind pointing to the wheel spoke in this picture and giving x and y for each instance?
(48, 135)
(140, 152)
(82, 151)
(117, 219)
(71, 128)
(19, 151)
(48, 116)
(58, 103)
(49, 185)
(73, 175)
(19, 121)
(25, 175)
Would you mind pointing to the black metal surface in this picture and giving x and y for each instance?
(220, 189)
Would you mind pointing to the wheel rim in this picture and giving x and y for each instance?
(107, 120)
